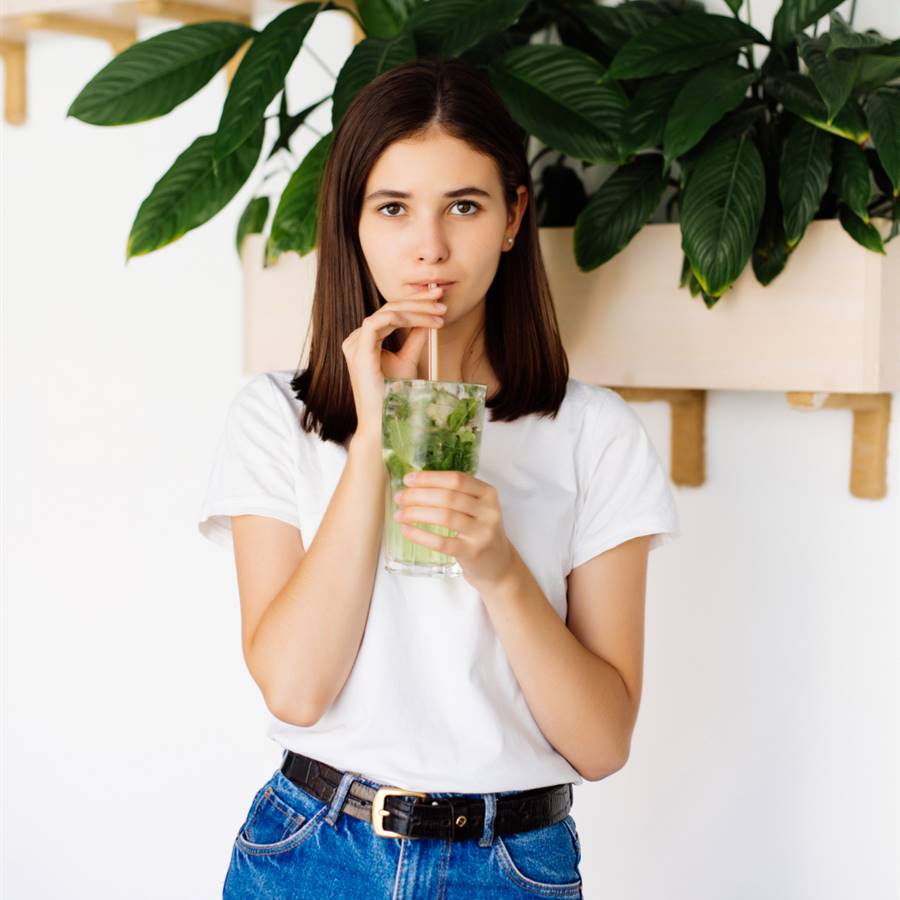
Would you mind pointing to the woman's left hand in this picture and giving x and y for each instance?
(468, 506)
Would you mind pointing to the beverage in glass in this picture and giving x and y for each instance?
(426, 425)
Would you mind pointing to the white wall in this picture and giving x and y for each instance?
(764, 765)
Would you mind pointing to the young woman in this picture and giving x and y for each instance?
(432, 729)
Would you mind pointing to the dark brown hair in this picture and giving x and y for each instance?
(521, 335)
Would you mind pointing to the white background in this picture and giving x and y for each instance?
(765, 760)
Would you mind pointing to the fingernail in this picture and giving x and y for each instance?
(440, 306)
(409, 479)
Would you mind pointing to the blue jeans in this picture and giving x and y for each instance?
(293, 845)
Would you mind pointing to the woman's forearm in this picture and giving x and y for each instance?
(306, 643)
(577, 698)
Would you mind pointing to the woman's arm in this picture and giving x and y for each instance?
(304, 646)
(581, 678)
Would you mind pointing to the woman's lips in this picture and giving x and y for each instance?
(423, 285)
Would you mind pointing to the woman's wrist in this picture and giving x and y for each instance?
(365, 442)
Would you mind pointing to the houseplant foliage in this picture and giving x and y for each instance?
(742, 155)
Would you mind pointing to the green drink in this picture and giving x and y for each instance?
(426, 425)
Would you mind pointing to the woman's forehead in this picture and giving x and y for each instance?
(433, 167)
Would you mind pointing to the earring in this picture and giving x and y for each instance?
(509, 240)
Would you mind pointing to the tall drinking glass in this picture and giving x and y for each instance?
(426, 425)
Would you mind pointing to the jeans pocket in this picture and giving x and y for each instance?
(570, 823)
(281, 817)
(544, 860)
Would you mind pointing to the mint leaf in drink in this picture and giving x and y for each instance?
(459, 415)
(396, 466)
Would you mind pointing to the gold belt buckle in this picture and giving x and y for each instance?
(379, 812)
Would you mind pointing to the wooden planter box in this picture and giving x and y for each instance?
(830, 322)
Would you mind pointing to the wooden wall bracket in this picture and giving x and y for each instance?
(688, 434)
(119, 29)
(117, 36)
(13, 54)
(871, 422)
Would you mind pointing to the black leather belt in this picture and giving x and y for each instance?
(397, 812)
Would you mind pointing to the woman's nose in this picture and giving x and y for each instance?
(431, 244)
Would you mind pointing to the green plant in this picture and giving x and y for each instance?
(666, 93)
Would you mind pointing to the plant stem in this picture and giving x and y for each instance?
(749, 48)
(309, 50)
(352, 13)
(538, 155)
(852, 11)
(874, 208)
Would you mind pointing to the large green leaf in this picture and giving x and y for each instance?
(152, 77)
(749, 119)
(864, 233)
(843, 37)
(795, 15)
(833, 74)
(261, 75)
(617, 210)
(368, 59)
(805, 167)
(876, 70)
(383, 18)
(644, 120)
(720, 216)
(706, 96)
(883, 113)
(560, 95)
(851, 178)
(191, 192)
(770, 251)
(294, 224)
(449, 27)
(799, 95)
(614, 26)
(680, 43)
(252, 220)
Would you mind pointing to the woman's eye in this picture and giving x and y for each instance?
(471, 203)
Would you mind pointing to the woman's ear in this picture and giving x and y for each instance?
(515, 217)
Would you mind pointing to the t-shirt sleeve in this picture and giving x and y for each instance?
(626, 491)
(254, 467)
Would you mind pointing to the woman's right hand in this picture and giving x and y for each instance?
(370, 364)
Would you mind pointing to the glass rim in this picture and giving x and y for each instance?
(430, 381)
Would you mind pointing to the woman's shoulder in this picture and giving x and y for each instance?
(601, 411)
(270, 390)
(267, 401)
(586, 399)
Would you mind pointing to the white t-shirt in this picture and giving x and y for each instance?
(432, 703)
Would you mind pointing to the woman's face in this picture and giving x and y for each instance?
(428, 235)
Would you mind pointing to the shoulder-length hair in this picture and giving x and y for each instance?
(521, 333)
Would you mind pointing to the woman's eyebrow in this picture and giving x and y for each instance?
(458, 192)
